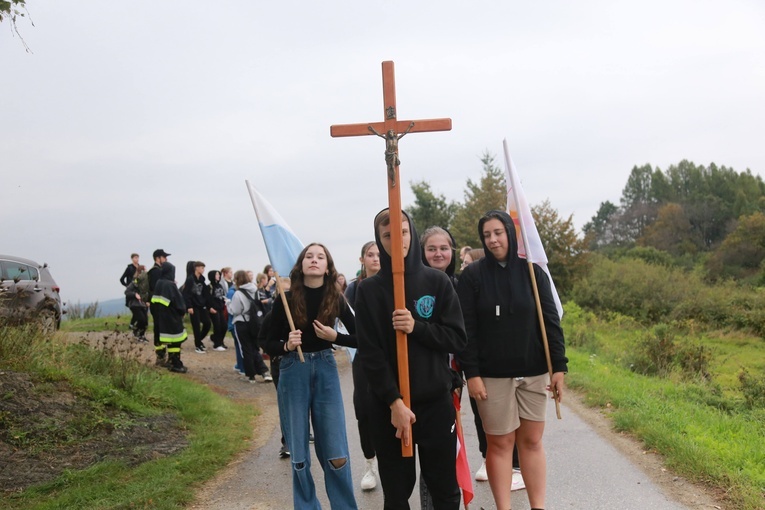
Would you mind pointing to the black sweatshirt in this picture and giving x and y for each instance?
(280, 327)
(504, 337)
(438, 328)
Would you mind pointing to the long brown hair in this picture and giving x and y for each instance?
(332, 301)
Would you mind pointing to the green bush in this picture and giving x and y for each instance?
(577, 325)
(655, 351)
(658, 352)
(753, 389)
(652, 293)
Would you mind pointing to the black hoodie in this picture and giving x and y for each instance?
(504, 337)
(217, 294)
(438, 328)
(195, 292)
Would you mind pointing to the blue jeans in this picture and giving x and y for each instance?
(312, 389)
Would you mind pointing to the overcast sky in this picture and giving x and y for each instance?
(132, 126)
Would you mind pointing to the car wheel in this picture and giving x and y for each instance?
(47, 321)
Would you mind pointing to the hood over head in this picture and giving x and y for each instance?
(413, 259)
(512, 253)
(168, 271)
(211, 276)
(453, 264)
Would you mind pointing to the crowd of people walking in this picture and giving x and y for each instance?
(478, 329)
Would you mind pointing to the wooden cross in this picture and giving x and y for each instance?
(392, 130)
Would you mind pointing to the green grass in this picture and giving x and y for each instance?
(701, 425)
(216, 427)
(113, 323)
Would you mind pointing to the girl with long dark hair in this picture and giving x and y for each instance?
(310, 390)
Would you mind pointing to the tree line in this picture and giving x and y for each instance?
(565, 249)
(706, 219)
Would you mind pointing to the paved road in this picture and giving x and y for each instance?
(585, 471)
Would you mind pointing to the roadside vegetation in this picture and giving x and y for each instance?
(665, 310)
(694, 395)
(113, 394)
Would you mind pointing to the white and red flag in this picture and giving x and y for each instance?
(529, 243)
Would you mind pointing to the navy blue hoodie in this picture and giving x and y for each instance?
(438, 328)
(504, 337)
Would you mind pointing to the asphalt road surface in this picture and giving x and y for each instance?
(584, 471)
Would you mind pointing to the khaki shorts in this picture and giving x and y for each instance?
(511, 399)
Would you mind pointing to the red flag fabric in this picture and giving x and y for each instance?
(464, 480)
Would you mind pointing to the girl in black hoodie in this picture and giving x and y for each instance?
(505, 361)
(217, 305)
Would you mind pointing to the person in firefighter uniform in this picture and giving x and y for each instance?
(168, 309)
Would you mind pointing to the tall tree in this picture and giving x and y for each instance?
(638, 203)
(430, 209)
(743, 250)
(489, 193)
(599, 232)
(671, 232)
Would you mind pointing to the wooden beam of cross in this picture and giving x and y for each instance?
(392, 130)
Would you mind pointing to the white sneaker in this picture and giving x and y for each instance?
(518, 483)
(267, 377)
(220, 348)
(481, 475)
(369, 480)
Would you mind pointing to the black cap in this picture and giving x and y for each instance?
(160, 253)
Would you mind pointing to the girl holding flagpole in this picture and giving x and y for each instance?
(310, 390)
(505, 363)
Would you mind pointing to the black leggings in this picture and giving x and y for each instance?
(361, 397)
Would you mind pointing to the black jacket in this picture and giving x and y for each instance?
(195, 292)
(504, 337)
(438, 328)
(127, 277)
(168, 307)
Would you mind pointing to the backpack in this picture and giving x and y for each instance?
(256, 315)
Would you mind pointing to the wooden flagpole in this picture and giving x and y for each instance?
(542, 327)
(287, 311)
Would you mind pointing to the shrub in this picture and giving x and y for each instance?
(578, 327)
(753, 389)
(655, 352)
(653, 293)
(693, 360)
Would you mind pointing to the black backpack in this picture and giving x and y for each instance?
(256, 315)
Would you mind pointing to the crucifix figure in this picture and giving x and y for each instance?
(394, 130)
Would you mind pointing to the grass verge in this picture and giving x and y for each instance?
(701, 425)
(216, 428)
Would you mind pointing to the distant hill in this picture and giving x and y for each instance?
(106, 308)
(112, 307)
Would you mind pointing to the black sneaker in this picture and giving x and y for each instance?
(180, 370)
(310, 438)
(284, 452)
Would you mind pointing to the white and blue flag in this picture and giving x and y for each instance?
(282, 245)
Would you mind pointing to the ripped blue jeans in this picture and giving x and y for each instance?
(312, 389)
